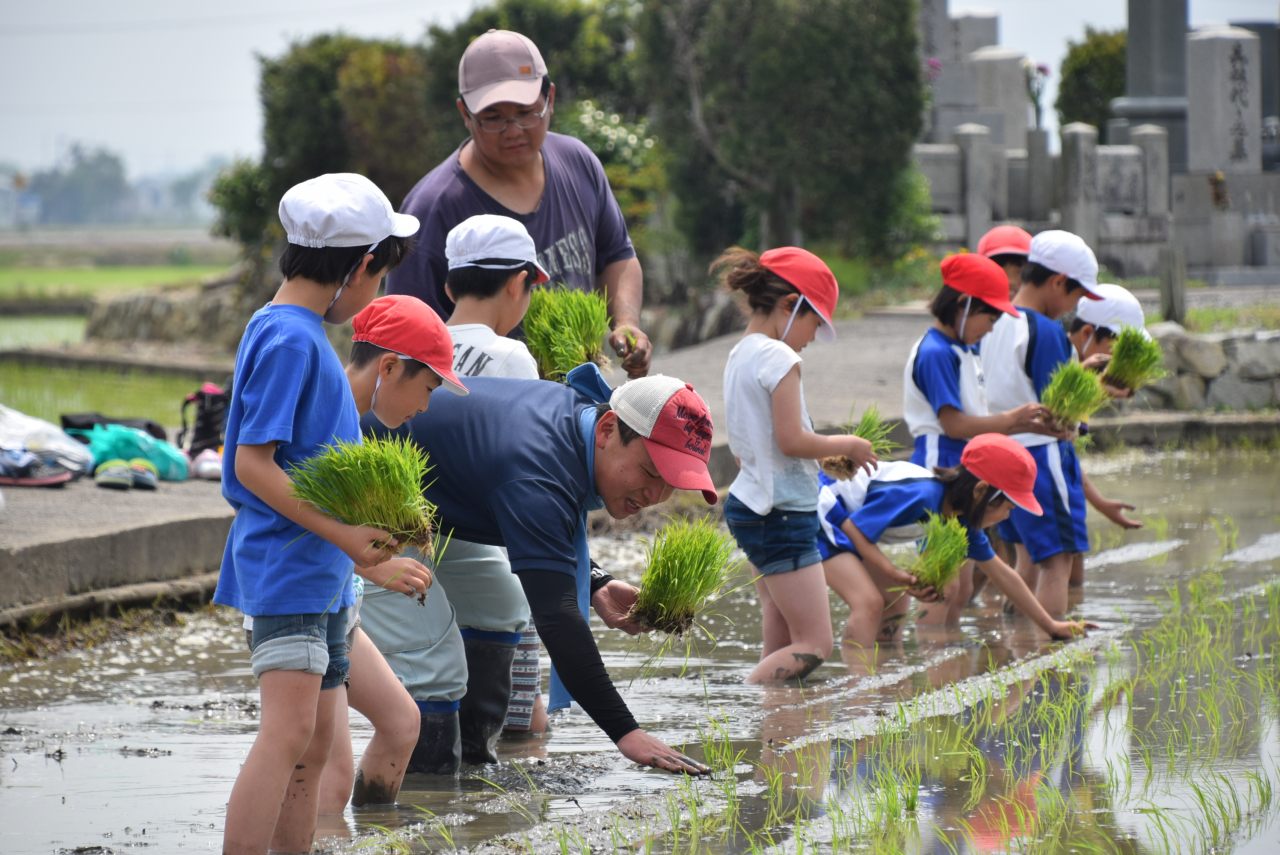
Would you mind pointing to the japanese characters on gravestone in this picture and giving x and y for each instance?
(1224, 119)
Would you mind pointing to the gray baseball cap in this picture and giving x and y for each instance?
(500, 67)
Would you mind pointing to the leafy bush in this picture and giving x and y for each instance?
(241, 195)
(1092, 74)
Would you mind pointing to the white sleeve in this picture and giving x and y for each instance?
(773, 362)
(519, 364)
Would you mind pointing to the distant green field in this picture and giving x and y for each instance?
(49, 283)
(49, 392)
(40, 331)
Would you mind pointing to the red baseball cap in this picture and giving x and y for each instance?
(1005, 240)
(676, 426)
(1005, 465)
(811, 277)
(412, 330)
(979, 277)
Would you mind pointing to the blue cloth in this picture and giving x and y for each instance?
(936, 371)
(1060, 491)
(577, 229)
(1047, 348)
(781, 541)
(894, 504)
(289, 389)
(948, 450)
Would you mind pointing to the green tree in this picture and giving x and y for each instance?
(1092, 74)
(90, 188)
(806, 108)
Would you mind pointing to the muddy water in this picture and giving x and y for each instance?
(136, 745)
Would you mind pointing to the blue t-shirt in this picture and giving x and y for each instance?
(896, 504)
(290, 389)
(936, 371)
(1047, 348)
(577, 229)
(508, 467)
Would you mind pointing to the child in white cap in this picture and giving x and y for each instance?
(1020, 356)
(287, 566)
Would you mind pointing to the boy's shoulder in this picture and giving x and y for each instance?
(282, 327)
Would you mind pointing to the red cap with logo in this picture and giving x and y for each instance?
(979, 277)
(676, 426)
(811, 277)
(411, 329)
(1006, 465)
(1005, 240)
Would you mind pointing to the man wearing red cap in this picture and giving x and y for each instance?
(512, 166)
(579, 447)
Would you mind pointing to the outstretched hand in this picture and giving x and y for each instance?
(1067, 629)
(613, 602)
(639, 747)
(1114, 511)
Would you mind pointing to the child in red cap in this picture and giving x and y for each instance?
(401, 353)
(770, 510)
(1007, 246)
(944, 399)
(993, 475)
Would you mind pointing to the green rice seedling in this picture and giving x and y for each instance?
(376, 483)
(565, 328)
(946, 548)
(1074, 393)
(874, 429)
(688, 565)
(1136, 360)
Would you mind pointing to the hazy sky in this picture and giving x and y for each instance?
(170, 84)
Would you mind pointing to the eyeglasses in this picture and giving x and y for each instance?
(524, 121)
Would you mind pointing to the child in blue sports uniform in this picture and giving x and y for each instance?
(944, 395)
(1021, 356)
(287, 565)
(993, 476)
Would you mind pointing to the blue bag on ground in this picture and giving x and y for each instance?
(117, 442)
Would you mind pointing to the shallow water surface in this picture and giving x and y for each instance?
(980, 738)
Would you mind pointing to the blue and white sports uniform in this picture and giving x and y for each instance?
(887, 507)
(940, 372)
(1022, 354)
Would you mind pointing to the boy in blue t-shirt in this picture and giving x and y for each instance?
(287, 565)
(1021, 354)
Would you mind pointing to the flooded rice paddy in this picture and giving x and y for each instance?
(1159, 733)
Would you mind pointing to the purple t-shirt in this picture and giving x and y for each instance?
(578, 228)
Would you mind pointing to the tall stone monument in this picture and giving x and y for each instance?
(1156, 72)
(1224, 101)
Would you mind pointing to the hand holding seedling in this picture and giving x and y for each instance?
(1034, 418)
(633, 348)
(861, 452)
(402, 575)
(365, 545)
(613, 602)
(1065, 630)
(639, 747)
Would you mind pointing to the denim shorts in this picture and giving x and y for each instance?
(778, 542)
(313, 644)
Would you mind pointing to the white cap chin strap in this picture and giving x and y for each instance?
(791, 320)
(968, 300)
(348, 276)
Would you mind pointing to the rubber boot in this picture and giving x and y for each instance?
(484, 706)
(439, 749)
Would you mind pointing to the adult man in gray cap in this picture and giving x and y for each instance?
(513, 166)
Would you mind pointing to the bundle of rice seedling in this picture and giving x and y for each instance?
(688, 565)
(946, 548)
(565, 328)
(377, 483)
(1074, 393)
(1136, 360)
(871, 427)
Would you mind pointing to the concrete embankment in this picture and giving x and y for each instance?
(59, 544)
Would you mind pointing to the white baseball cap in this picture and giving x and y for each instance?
(341, 209)
(489, 237)
(1116, 309)
(500, 67)
(1063, 252)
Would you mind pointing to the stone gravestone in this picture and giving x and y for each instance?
(1080, 210)
(1224, 118)
(934, 28)
(1154, 142)
(975, 150)
(1172, 268)
(1268, 33)
(1120, 181)
(1002, 89)
(1156, 72)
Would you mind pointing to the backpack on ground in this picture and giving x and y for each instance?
(211, 403)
